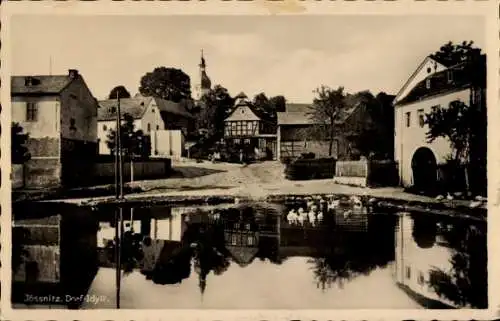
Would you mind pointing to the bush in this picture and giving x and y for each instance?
(307, 156)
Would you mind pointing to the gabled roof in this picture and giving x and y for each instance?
(300, 114)
(242, 255)
(41, 85)
(415, 73)
(171, 107)
(136, 107)
(455, 78)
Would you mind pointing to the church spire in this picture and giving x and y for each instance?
(202, 63)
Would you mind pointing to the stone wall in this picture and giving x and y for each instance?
(42, 173)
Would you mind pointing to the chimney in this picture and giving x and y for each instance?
(73, 73)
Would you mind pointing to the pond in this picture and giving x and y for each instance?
(303, 253)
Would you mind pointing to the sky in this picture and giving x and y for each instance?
(277, 55)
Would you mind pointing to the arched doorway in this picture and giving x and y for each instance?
(424, 169)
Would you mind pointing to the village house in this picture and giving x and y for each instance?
(166, 123)
(249, 130)
(434, 85)
(60, 115)
(299, 133)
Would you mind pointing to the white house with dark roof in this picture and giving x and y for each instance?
(60, 115)
(151, 115)
(431, 85)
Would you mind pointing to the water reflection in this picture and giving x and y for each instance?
(338, 255)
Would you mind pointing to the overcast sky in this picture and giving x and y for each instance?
(279, 55)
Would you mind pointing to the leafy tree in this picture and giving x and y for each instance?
(451, 54)
(133, 142)
(19, 151)
(278, 103)
(167, 83)
(460, 124)
(269, 106)
(119, 92)
(327, 109)
(216, 106)
(375, 136)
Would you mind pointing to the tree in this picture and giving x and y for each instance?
(327, 109)
(460, 124)
(278, 103)
(375, 134)
(19, 151)
(451, 54)
(119, 92)
(269, 106)
(133, 142)
(216, 106)
(166, 83)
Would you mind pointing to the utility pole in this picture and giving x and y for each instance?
(119, 196)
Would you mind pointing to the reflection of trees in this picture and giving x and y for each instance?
(424, 230)
(202, 246)
(349, 254)
(19, 253)
(467, 282)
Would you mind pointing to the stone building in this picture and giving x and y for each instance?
(60, 115)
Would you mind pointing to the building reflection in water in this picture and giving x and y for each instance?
(441, 262)
(438, 262)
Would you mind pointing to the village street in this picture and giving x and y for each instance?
(255, 181)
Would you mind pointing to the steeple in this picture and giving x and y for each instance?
(205, 84)
(202, 64)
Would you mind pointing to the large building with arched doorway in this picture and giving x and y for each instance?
(434, 84)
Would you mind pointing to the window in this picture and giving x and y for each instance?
(421, 279)
(449, 75)
(421, 117)
(428, 83)
(408, 272)
(104, 127)
(250, 240)
(237, 141)
(31, 111)
(408, 119)
(157, 127)
(149, 127)
(72, 124)
(234, 239)
(247, 141)
(153, 110)
(247, 226)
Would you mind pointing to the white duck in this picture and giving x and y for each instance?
(310, 204)
(333, 204)
(347, 213)
(356, 202)
(292, 217)
(449, 197)
(314, 208)
(312, 217)
(475, 204)
(439, 198)
(320, 217)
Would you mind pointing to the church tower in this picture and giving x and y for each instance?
(204, 84)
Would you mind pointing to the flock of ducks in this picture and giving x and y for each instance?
(314, 214)
(477, 202)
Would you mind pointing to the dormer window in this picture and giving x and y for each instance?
(428, 83)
